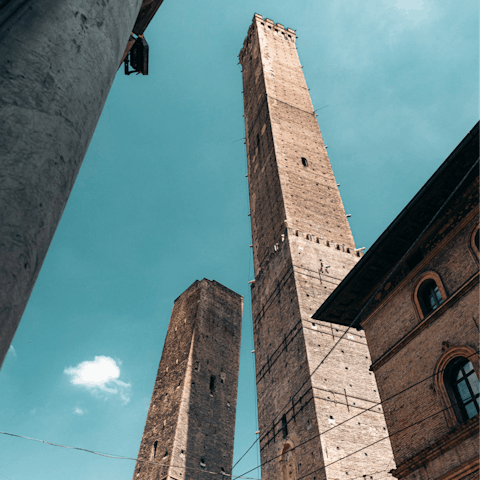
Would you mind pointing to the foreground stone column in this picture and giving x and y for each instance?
(58, 59)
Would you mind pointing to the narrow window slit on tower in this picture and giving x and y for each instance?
(284, 426)
(155, 444)
(212, 383)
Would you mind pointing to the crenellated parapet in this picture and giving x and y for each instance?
(269, 27)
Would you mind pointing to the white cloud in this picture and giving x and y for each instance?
(100, 376)
(78, 411)
(12, 351)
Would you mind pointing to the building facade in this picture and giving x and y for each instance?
(415, 294)
(190, 425)
(308, 391)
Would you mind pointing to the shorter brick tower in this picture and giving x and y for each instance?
(190, 424)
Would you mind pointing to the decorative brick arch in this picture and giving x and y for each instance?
(423, 278)
(472, 244)
(441, 388)
(288, 461)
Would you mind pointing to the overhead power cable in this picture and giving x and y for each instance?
(120, 457)
(354, 416)
(5, 476)
(385, 470)
(394, 268)
(374, 443)
(364, 477)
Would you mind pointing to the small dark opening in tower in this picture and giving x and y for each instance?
(284, 426)
(212, 383)
(155, 444)
(304, 162)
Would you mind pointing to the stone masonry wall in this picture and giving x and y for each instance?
(303, 248)
(57, 64)
(191, 420)
(406, 349)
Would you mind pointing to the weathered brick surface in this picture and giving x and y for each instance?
(192, 424)
(407, 346)
(302, 248)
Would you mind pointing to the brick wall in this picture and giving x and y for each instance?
(193, 423)
(302, 248)
(407, 346)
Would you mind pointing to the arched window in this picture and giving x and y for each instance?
(474, 242)
(429, 296)
(463, 388)
(476, 239)
(304, 162)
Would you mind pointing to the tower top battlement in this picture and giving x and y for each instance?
(213, 283)
(288, 33)
(257, 16)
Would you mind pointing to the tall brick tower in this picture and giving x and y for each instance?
(191, 420)
(302, 249)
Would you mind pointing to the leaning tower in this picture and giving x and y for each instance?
(302, 248)
(190, 424)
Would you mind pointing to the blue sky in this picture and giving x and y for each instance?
(161, 200)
